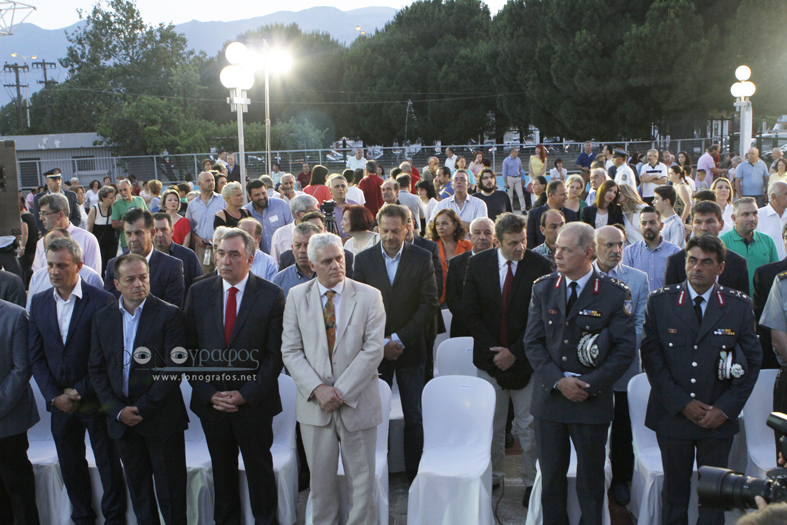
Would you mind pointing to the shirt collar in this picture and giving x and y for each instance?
(599, 270)
(770, 211)
(339, 288)
(77, 291)
(582, 281)
(138, 311)
(241, 286)
(392, 259)
(149, 255)
(706, 295)
(502, 262)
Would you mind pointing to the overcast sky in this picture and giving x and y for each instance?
(54, 14)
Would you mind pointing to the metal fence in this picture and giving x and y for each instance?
(171, 169)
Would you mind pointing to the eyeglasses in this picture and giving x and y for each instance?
(45, 213)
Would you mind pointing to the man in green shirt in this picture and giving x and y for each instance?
(757, 248)
(127, 201)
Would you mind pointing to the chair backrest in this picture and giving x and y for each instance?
(638, 394)
(447, 317)
(284, 421)
(757, 409)
(446, 313)
(458, 411)
(41, 431)
(382, 428)
(455, 358)
(194, 432)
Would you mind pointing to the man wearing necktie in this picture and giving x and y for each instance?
(573, 391)
(334, 365)
(496, 294)
(702, 357)
(233, 330)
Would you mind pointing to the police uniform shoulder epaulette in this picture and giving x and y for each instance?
(668, 289)
(782, 276)
(545, 277)
(618, 282)
(726, 290)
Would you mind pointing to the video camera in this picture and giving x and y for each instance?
(723, 489)
(327, 208)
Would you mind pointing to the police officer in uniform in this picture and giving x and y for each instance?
(773, 317)
(619, 171)
(702, 358)
(580, 339)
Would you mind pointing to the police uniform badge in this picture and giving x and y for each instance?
(628, 306)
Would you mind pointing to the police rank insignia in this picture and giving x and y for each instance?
(628, 306)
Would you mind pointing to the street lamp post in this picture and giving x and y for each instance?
(742, 90)
(238, 80)
(280, 62)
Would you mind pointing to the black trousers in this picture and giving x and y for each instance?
(68, 431)
(17, 482)
(780, 400)
(554, 452)
(162, 458)
(621, 448)
(677, 457)
(253, 434)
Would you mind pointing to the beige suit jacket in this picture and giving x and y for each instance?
(358, 351)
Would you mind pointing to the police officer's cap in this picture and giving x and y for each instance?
(620, 153)
(54, 173)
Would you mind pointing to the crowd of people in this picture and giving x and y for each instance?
(630, 264)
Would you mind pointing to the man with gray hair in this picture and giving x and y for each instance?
(300, 205)
(334, 365)
(756, 247)
(54, 184)
(572, 311)
(751, 177)
(357, 161)
(429, 172)
(776, 153)
(54, 212)
(263, 266)
(652, 175)
(286, 188)
(773, 216)
(300, 272)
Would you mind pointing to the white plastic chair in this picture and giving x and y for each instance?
(199, 470)
(760, 440)
(396, 431)
(285, 464)
(455, 358)
(446, 313)
(380, 468)
(454, 481)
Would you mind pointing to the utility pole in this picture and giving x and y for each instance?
(16, 68)
(43, 65)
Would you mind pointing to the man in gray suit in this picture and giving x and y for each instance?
(573, 395)
(609, 251)
(18, 413)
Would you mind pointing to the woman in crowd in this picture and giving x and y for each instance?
(428, 197)
(538, 162)
(317, 187)
(684, 201)
(449, 233)
(27, 249)
(477, 165)
(380, 171)
(230, 216)
(461, 164)
(91, 196)
(539, 186)
(181, 227)
(357, 222)
(99, 223)
(724, 197)
(632, 205)
(781, 171)
(80, 192)
(144, 192)
(155, 195)
(575, 202)
(684, 159)
(558, 172)
(605, 211)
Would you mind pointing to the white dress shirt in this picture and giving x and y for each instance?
(241, 286)
(355, 194)
(40, 282)
(65, 308)
(771, 224)
(581, 283)
(337, 299)
(706, 296)
(130, 325)
(470, 210)
(391, 266)
(282, 240)
(91, 253)
(502, 268)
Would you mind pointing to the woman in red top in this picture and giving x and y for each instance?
(317, 187)
(181, 227)
(449, 234)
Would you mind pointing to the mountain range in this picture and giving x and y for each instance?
(51, 44)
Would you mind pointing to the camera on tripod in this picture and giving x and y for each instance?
(327, 208)
(723, 489)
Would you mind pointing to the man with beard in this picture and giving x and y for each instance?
(497, 202)
(650, 254)
(272, 213)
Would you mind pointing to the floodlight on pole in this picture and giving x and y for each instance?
(742, 90)
(278, 61)
(238, 80)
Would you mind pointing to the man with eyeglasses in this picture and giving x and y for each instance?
(497, 202)
(466, 206)
(54, 184)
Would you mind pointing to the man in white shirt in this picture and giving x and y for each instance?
(54, 213)
(282, 238)
(623, 174)
(357, 161)
(652, 175)
(673, 231)
(773, 216)
(597, 178)
(450, 159)
(466, 206)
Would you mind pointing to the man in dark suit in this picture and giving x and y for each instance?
(497, 291)
(702, 358)
(162, 241)
(405, 276)
(573, 394)
(54, 184)
(60, 339)
(12, 289)
(134, 340)
(19, 413)
(482, 235)
(166, 272)
(763, 281)
(241, 315)
(556, 200)
(706, 219)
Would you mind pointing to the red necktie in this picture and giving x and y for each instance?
(229, 316)
(508, 285)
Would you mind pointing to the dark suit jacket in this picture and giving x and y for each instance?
(763, 281)
(287, 259)
(75, 217)
(410, 303)
(431, 247)
(482, 301)
(18, 410)
(681, 358)
(208, 275)
(57, 366)
(534, 235)
(589, 215)
(735, 274)
(166, 278)
(12, 289)
(191, 266)
(454, 290)
(257, 327)
(233, 175)
(159, 402)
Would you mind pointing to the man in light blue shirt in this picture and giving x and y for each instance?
(650, 255)
(200, 213)
(263, 264)
(751, 178)
(272, 213)
(301, 271)
(512, 177)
